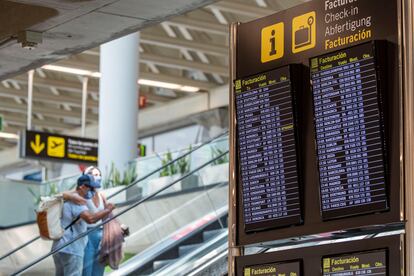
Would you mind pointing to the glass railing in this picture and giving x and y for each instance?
(30, 192)
(17, 201)
(154, 217)
(150, 168)
(26, 236)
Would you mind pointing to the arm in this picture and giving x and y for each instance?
(73, 197)
(94, 217)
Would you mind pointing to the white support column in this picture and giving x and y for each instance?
(118, 103)
(30, 75)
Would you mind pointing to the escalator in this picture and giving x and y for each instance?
(156, 215)
(183, 244)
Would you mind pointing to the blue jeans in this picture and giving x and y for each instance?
(67, 264)
(91, 265)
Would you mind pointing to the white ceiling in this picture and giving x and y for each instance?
(189, 49)
(79, 25)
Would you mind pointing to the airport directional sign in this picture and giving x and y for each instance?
(56, 147)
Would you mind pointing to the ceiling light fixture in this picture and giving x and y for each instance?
(70, 70)
(7, 135)
(159, 84)
(88, 73)
(189, 88)
(168, 85)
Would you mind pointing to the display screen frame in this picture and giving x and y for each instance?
(312, 256)
(296, 71)
(246, 60)
(379, 51)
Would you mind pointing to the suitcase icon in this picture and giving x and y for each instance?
(302, 36)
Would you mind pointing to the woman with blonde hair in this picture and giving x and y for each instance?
(95, 203)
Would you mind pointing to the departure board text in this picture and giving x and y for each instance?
(274, 269)
(267, 150)
(370, 263)
(349, 132)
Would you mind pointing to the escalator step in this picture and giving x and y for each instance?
(159, 264)
(212, 233)
(184, 249)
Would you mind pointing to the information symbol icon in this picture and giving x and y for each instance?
(272, 42)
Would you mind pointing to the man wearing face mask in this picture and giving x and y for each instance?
(95, 204)
(69, 260)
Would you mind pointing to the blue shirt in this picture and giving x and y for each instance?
(70, 212)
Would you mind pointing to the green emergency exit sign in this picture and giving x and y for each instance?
(1, 123)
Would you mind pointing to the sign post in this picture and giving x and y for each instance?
(234, 249)
(408, 129)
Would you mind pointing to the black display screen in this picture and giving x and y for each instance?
(267, 150)
(365, 263)
(274, 269)
(349, 132)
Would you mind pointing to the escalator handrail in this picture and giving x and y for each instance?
(38, 260)
(184, 260)
(151, 253)
(116, 193)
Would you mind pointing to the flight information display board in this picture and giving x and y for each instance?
(267, 149)
(349, 131)
(274, 269)
(369, 263)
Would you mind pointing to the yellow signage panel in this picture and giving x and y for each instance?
(273, 44)
(303, 32)
(56, 146)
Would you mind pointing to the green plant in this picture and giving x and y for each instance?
(170, 169)
(181, 166)
(114, 178)
(130, 175)
(215, 152)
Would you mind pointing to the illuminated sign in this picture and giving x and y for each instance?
(273, 45)
(274, 269)
(267, 150)
(366, 263)
(349, 134)
(294, 35)
(54, 147)
(304, 32)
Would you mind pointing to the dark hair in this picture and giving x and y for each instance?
(85, 179)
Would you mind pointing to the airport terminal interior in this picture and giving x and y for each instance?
(207, 137)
